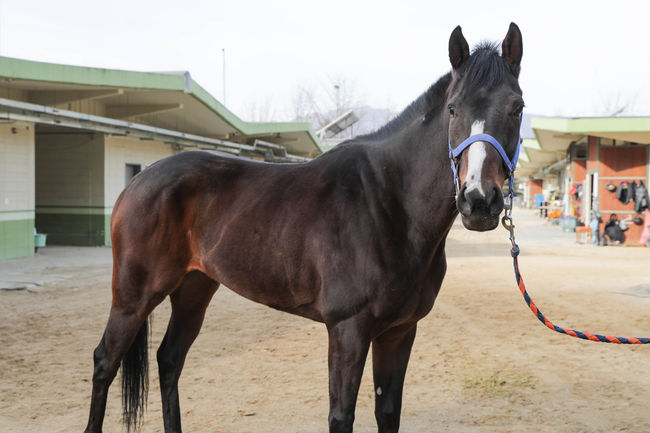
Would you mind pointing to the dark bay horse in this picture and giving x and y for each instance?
(354, 239)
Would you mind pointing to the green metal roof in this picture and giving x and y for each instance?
(592, 124)
(50, 72)
(555, 134)
(17, 69)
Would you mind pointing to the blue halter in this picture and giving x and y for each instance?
(510, 164)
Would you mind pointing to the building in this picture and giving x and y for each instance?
(583, 158)
(72, 137)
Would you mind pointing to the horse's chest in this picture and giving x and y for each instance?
(409, 300)
(405, 304)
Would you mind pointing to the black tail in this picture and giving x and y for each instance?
(135, 379)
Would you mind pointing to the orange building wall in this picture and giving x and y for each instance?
(623, 161)
(579, 170)
(535, 187)
(619, 164)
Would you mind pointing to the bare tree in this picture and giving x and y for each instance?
(618, 104)
(343, 94)
(301, 104)
(305, 106)
(263, 110)
(322, 104)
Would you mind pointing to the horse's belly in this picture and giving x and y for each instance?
(263, 277)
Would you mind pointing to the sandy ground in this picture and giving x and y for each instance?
(481, 361)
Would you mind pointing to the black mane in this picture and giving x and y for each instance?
(485, 68)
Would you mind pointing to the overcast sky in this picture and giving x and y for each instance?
(580, 57)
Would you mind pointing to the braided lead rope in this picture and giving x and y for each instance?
(584, 335)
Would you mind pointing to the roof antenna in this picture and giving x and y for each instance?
(223, 52)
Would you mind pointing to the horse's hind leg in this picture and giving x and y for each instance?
(390, 356)
(137, 290)
(120, 333)
(189, 303)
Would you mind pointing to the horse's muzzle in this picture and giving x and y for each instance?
(479, 209)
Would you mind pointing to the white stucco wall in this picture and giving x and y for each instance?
(16, 189)
(120, 151)
(16, 167)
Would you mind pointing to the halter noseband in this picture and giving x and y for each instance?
(510, 164)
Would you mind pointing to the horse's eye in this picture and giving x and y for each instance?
(518, 111)
(452, 110)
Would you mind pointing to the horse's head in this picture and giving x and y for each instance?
(484, 103)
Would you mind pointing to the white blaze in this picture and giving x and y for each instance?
(475, 158)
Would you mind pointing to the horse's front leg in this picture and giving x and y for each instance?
(349, 341)
(390, 356)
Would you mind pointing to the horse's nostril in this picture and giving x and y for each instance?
(473, 200)
(495, 202)
(462, 203)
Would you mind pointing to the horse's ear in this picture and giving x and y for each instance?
(458, 48)
(512, 48)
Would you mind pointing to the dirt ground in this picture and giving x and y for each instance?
(481, 361)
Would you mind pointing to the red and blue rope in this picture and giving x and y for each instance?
(584, 335)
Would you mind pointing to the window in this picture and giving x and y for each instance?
(130, 171)
(580, 150)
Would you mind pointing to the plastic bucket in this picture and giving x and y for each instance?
(569, 224)
(39, 240)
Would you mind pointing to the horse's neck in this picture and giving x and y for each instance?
(429, 194)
